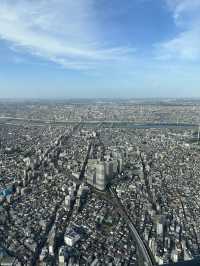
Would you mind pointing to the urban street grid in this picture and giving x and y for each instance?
(99, 182)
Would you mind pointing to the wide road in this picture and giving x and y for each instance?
(144, 251)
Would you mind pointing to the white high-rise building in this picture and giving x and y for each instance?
(100, 182)
(71, 237)
(95, 174)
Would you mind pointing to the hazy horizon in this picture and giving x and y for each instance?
(103, 99)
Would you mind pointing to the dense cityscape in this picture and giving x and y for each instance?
(99, 182)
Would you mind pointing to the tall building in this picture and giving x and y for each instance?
(101, 180)
(95, 174)
(100, 172)
(109, 169)
(91, 171)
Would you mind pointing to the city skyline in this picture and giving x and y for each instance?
(85, 49)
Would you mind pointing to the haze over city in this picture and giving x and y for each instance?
(140, 48)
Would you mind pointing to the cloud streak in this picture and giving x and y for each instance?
(186, 44)
(62, 31)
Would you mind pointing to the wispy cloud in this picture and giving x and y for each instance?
(186, 44)
(62, 31)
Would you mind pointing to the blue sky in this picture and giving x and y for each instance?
(90, 48)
